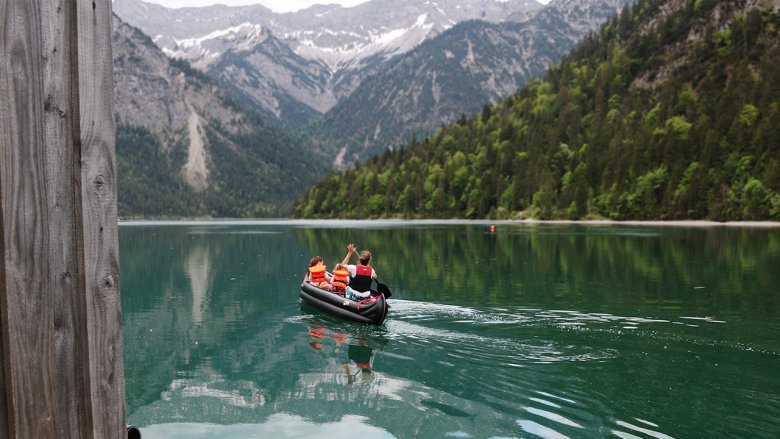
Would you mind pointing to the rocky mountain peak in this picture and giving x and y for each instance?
(205, 50)
(338, 37)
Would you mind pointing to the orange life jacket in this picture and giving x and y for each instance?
(340, 278)
(317, 274)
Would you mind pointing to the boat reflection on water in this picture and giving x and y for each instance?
(337, 340)
(362, 357)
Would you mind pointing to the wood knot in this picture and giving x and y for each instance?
(108, 281)
(49, 106)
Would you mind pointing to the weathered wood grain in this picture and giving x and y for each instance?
(99, 214)
(4, 431)
(61, 125)
(27, 309)
(61, 372)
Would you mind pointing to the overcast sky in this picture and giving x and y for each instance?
(274, 5)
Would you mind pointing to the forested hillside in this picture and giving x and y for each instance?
(251, 174)
(471, 64)
(671, 111)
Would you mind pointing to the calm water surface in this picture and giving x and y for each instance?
(547, 331)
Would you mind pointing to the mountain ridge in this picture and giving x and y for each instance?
(185, 147)
(669, 112)
(319, 32)
(471, 64)
(295, 66)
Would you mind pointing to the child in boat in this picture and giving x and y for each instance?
(317, 275)
(338, 283)
(313, 262)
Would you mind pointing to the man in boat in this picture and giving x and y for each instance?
(360, 276)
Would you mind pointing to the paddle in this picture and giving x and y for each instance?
(382, 289)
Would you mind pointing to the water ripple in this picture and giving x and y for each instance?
(540, 430)
(553, 417)
(545, 402)
(646, 431)
(497, 320)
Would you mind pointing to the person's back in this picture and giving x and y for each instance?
(361, 277)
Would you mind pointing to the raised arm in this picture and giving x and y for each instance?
(350, 252)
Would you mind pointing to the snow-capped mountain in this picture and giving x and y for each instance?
(295, 66)
(371, 64)
(336, 36)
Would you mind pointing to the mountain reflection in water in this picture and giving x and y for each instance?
(534, 330)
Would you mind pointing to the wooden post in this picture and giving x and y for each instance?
(61, 365)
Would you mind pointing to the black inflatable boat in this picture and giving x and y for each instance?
(371, 310)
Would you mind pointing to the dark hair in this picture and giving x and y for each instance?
(365, 257)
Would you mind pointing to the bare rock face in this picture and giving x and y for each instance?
(154, 93)
(187, 147)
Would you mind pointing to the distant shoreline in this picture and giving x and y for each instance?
(674, 223)
(346, 222)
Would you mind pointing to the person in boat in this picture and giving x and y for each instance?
(360, 276)
(313, 262)
(339, 280)
(317, 274)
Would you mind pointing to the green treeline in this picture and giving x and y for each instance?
(143, 163)
(670, 115)
(533, 262)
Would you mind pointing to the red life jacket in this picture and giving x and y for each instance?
(340, 279)
(362, 280)
(317, 274)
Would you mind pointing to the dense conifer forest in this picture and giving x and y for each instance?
(253, 174)
(671, 111)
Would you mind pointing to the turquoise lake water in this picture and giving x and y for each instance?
(532, 331)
